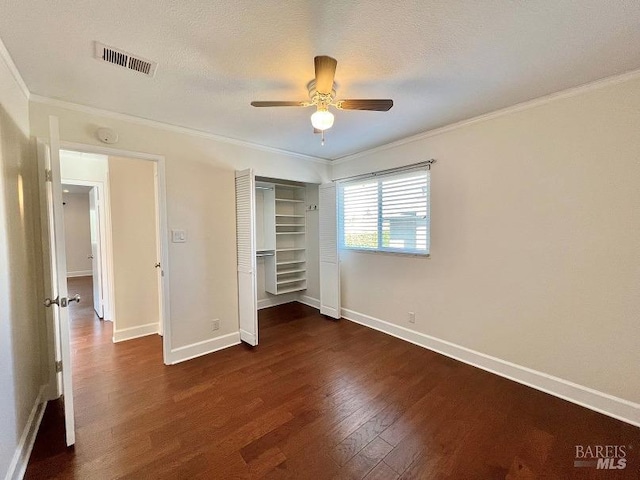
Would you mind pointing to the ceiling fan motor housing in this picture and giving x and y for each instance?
(322, 100)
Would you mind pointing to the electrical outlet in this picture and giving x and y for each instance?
(412, 317)
(215, 324)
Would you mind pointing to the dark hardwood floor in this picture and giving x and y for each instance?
(317, 399)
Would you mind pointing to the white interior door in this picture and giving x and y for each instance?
(57, 266)
(96, 251)
(246, 240)
(329, 255)
(158, 265)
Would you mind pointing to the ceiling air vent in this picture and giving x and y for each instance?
(125, 59)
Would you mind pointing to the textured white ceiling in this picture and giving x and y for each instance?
(441, 61)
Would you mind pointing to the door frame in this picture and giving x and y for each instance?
(106, 258)
(161, 233)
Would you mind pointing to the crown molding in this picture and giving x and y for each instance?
(536, 102)
(171, 127)
(6, 56)
(570, 92)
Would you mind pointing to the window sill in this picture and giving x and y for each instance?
(385, 252)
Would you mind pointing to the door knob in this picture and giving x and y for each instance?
(62, 302)
(48, 302)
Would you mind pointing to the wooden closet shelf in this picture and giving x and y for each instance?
(290, 262)
(290, 271)
(292, 289)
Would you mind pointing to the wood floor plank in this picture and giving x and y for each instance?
(361, 464)
(435, 438)
(317, 399)
(381, 471)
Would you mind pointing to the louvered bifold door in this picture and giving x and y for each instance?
(245, 236)
(329, 257)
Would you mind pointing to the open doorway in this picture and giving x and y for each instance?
(85, 231)
(113, 240)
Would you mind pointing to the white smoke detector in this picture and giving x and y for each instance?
(107, 135)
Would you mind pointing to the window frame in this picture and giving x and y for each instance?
(379, 178)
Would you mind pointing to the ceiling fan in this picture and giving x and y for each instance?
(322, 95)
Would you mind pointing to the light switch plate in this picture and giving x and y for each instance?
(178, 236)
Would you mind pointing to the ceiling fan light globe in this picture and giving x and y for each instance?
(322, 120)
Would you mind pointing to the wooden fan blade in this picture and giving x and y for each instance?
(278, 104)
(315, 130)
(325, 72)
(377, 105)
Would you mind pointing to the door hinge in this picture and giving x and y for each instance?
(58, 366)
(157, 265)
(48, 175)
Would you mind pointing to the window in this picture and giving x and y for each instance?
(386, 212)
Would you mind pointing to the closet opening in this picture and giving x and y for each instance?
(281, 239)
(278, 246)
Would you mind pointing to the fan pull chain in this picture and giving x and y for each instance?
(322, 142)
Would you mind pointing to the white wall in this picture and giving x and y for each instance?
(21, 287)
(535, 235)
(77, 234)
(133, 233)
(200, 199)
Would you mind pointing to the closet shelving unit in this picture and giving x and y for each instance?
(286, 270)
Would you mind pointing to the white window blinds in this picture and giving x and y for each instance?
(388, 213)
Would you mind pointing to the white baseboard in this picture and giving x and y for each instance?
(615, 407)
(307, 300)
(80, 273)
(18, 465)
(51, 390)
(288, 298)
(198, 349)
(277, 300)
(134, 332)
